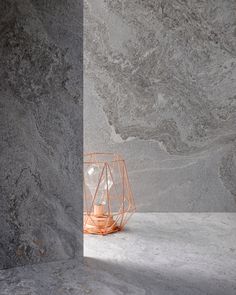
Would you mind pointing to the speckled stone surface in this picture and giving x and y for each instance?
(160, 88)
(158, 254)
(41, 129)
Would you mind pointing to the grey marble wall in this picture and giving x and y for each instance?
(40, 131)
(160, 88)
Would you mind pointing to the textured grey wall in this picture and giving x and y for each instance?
(41, 131)
(160, 88)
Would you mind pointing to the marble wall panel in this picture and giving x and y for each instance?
(41, 131)
(160, 88)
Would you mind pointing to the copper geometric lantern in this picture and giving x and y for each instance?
(108, 199)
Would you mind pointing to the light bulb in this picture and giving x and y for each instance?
(92, 178)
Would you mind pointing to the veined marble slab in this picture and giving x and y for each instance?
(41, 131)
(160, 88)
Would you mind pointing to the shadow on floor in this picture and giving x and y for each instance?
(99, 277)
(130, 279)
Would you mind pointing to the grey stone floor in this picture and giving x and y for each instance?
(159, 253)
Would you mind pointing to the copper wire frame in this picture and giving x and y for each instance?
(119, 202)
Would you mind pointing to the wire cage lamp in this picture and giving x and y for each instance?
(108, 198)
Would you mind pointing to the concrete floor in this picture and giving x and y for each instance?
(159, 253)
